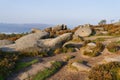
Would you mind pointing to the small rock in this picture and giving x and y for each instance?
(91, 45)
(80, 67)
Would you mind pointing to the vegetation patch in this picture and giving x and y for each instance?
(22, 65)
(12, 36)
(7, 63)
(113, 47)
(64, 50)
(99, 40)
(94, 51)
(42, 75)
(109, 71)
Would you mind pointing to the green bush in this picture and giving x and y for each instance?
(109, 71)
(22, 65)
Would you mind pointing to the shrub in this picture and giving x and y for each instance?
(99, 39)
(113, 47)
(63, 50)
(95, 51)
(109, 71)
(91, 54)
(31, 52)
(7, 63)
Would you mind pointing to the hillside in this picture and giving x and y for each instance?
(60, 53)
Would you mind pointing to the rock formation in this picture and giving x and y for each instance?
(59, 27)
(38, 41)
(55, 42)
(5, 42)
(30, 40)
(83, 31)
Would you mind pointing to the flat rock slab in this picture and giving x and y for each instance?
(80, 67)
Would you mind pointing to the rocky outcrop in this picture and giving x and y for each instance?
(59, 27)
(30, 40)
(72, 44)
(5, 42)
(83, 31)
(38, 41)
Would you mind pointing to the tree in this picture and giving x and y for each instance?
(102, 22)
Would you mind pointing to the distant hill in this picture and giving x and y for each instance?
(19, 28)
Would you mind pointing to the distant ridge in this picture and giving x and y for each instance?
(20, 28)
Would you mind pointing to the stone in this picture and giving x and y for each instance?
(83, 31)
(72, 44)
(9, 48)
(35, 30)
(55, 42)
(80, 66)
(108, 59)
(91, 45)
(112, 59)
(59, 27)
(48, 29)
(30, 40)
(36, 41)
(5, 42)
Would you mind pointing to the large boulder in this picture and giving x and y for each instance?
(55, 42)
(83, 31)
(5, 42)
(59, 27)
(38, 41)
(30, 40)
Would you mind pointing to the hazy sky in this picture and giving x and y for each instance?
(58, 11)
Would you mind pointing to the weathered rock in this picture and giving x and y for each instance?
(108, 59)
(91, 45)
(30, 40)
(72, 44)
(83, 31)
(5, 42)
(112, 59)
(55, 42)
(9, 48)
(35, 30)
(36, 41)
(59, 27)
(48, 29)
(80, 67)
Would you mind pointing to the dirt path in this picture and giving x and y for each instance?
(35, 68)
(64, 73)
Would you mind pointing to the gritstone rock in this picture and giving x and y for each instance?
(83, 31)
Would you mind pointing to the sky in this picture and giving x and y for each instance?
(71, 12)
